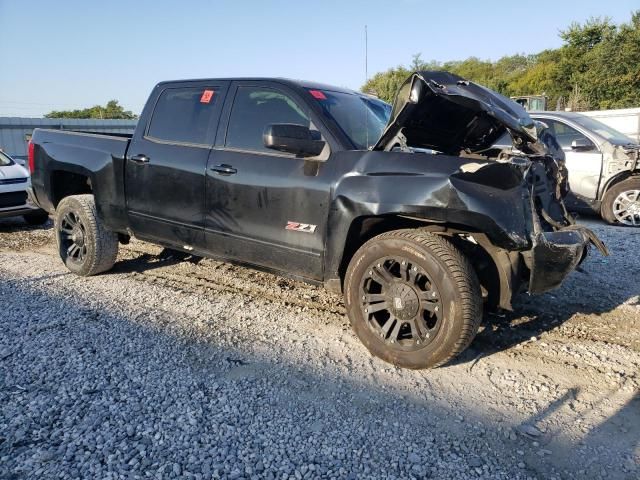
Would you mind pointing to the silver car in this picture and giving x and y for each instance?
(603, 165)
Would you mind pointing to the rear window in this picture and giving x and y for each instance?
(184, 115)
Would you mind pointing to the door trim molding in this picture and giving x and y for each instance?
(263, 242)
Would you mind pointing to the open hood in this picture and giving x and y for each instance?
(442, 111)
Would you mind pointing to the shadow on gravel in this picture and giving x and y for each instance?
(111, 382)
(620, 433)
(148, 261)
(17, 224)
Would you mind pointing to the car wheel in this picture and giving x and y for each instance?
(36, 218)
(86, 247)
(621, 203)
(413, 298)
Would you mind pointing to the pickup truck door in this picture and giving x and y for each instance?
(584, 164)
(266, 208)
(166, 162)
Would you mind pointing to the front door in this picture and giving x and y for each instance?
(166, 162)
(584, 165)
(264, 207)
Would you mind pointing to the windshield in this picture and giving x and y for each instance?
(4, 160)
(611, 134)
(361, 118)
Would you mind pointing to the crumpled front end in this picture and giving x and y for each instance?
(559, 245)
(516, 200)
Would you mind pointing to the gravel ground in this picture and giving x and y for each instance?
(178, 367)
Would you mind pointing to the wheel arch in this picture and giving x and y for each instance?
(498, 270)
(65, 183)
(614, 180)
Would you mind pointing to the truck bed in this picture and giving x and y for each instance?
(97, 156)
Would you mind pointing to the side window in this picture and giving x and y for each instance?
(564, 133)
(253, 109)
(184, 115)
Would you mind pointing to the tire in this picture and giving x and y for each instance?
(36, 218)
(85, 246)
(621, 195)
(433, 300)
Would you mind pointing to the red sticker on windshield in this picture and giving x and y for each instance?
(318, 94)
(206, 97)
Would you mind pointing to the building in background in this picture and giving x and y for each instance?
(625, 120)
(15, 132)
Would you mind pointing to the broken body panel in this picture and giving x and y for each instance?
(443, 112)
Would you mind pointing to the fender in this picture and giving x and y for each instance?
(491, 198)
(102, 164)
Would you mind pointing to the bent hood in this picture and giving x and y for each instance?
(444, 112)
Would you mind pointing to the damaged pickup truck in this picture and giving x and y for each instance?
(392, 207)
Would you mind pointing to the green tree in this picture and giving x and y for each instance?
(597, 66)
(385, 85)
(112, 110)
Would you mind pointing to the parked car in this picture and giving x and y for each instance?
(325, 185)
(14, 201)
(604, 171)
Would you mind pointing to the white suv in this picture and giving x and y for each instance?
(14, 200)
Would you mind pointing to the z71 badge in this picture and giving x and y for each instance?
(300, 227)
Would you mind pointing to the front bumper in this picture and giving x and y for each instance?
(18, 211)
(28, 207)
(556, 254)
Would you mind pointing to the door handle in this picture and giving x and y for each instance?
(224, 169)
(140, 158)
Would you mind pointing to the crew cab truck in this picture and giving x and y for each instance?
(332, 187)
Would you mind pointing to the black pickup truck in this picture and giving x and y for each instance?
(397, 208)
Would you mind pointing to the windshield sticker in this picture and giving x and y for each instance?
(206, 97)
(317, 94)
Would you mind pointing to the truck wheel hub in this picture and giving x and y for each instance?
(78, 237)
(404, 301)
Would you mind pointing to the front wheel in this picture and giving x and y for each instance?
(621, 203)
(413, 298)
(85, 246)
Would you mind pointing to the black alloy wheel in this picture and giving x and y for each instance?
(401, 303)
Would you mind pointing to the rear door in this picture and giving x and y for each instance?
(264, 207)
(166, 162)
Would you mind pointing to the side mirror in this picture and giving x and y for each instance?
(292, 138)
(582, 144)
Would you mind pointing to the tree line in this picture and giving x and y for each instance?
(112, 110)
(597, 67)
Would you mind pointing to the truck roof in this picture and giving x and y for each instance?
(286, 81)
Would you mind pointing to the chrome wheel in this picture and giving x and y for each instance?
(626, 208)
(400, 303)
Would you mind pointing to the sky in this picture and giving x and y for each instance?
(66, 54)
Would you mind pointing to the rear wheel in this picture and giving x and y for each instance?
(36, 218)
(85, 246)
(412, 298)
(621, 203)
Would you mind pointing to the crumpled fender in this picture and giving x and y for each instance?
(490, 198)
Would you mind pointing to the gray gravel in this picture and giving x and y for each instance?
(167, 369)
